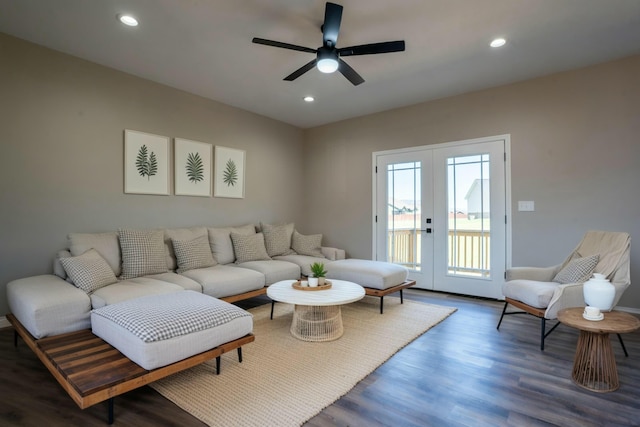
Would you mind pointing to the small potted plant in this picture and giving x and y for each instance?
(318, 271)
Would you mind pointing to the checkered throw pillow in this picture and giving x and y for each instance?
(577, 270)
(89, 271)
(277, 239)
(307, 245)
(192, 254)
(249, 247)
(142, 252)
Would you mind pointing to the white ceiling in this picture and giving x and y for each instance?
(204, 46)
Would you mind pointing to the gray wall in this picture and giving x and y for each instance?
(575, 151)
(61, 161)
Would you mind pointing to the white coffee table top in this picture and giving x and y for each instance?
(341, 292)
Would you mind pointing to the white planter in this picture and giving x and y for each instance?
(313, 282)
(599, 292)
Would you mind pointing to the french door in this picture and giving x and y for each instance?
(441, 211)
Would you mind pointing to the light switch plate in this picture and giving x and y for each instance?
(526, 206)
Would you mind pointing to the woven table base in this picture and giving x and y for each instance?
(594, 366)
(317, 323)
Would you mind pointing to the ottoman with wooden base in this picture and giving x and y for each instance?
(377, 278)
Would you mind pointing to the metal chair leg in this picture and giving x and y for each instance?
(501, 317)
(381, 305)
(218, 365)
(240, 354)
(623, 347)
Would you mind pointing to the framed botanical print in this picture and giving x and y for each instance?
(229, 173)
(192, 172)
(146, 163)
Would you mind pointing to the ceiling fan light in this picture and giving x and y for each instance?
(327, 65)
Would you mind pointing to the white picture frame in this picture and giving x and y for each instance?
(192, 167)
(229, 172)
(146, 163)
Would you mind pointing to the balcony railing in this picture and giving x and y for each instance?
(468, 251)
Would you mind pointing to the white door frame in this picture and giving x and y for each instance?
(507, 150)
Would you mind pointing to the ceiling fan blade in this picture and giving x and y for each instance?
(300, 71)
(331, 26)
(283, 45)
(350, 73)
(373, 48)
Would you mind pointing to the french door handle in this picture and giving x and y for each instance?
(426, 230)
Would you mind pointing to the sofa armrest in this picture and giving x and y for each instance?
(333, 254)
(539, 274)
(48, 305)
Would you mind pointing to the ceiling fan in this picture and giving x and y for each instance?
(328, 57)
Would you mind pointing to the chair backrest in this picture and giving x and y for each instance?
(614, 250)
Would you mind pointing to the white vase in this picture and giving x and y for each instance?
(313, 281)
(599, 292)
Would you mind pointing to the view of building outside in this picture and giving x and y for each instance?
(468, 215)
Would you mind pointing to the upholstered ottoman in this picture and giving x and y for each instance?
(376, 277)
(158, 330)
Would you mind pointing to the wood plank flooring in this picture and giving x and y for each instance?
(461, 373)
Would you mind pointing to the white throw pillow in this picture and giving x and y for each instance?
(105, 243)
(142, 252)
(577, 270)
(89, 271)
(249, 247)
(192, 254)
(310, 245)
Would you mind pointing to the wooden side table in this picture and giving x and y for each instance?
(594, 365)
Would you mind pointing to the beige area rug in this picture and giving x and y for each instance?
(283, 381)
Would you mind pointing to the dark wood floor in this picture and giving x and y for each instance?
(461, 373)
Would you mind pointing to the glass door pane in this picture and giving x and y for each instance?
(404, 215)
(469, 212)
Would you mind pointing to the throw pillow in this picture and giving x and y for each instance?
(192, 254)
(307, 245)
(277, 239)
(142, 252)
(221, 244)
(105, 243)
(249, 247)
(89, 271)
(577, 270)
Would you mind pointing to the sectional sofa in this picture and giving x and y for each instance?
(100, 269)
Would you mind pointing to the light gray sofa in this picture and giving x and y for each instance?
(99, 269)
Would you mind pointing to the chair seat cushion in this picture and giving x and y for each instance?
(531, 292)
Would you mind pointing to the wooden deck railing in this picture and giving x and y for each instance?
(468, 250)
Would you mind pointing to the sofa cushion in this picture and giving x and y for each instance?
(221, 244)
(89, 271)
(249, 247)
(367, 273)
(531, 292)
(58, 269)
(310, 245)
(194, 253)
(177, 279)
(179, 234)
(226, 280)
(105, 243)
(130, 289)
(277, 239)
(273, 270)
(142, 252)
(302, 261)
(578, 270)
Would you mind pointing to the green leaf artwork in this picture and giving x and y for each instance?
(230, 175)
(147, 164)
(195, 168)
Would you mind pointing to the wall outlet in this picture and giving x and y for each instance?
(526, 206)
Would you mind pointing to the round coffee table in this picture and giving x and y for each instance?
(316, 314)
(594, 365)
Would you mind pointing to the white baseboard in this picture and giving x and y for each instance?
(4, 323)
(628, 309)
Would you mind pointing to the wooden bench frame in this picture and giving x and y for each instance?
(91, 371)
(384, 292)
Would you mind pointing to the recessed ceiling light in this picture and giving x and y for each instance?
(128, 20)
(309, 98)
(497, 42)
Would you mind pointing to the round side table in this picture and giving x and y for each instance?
(594, 365)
